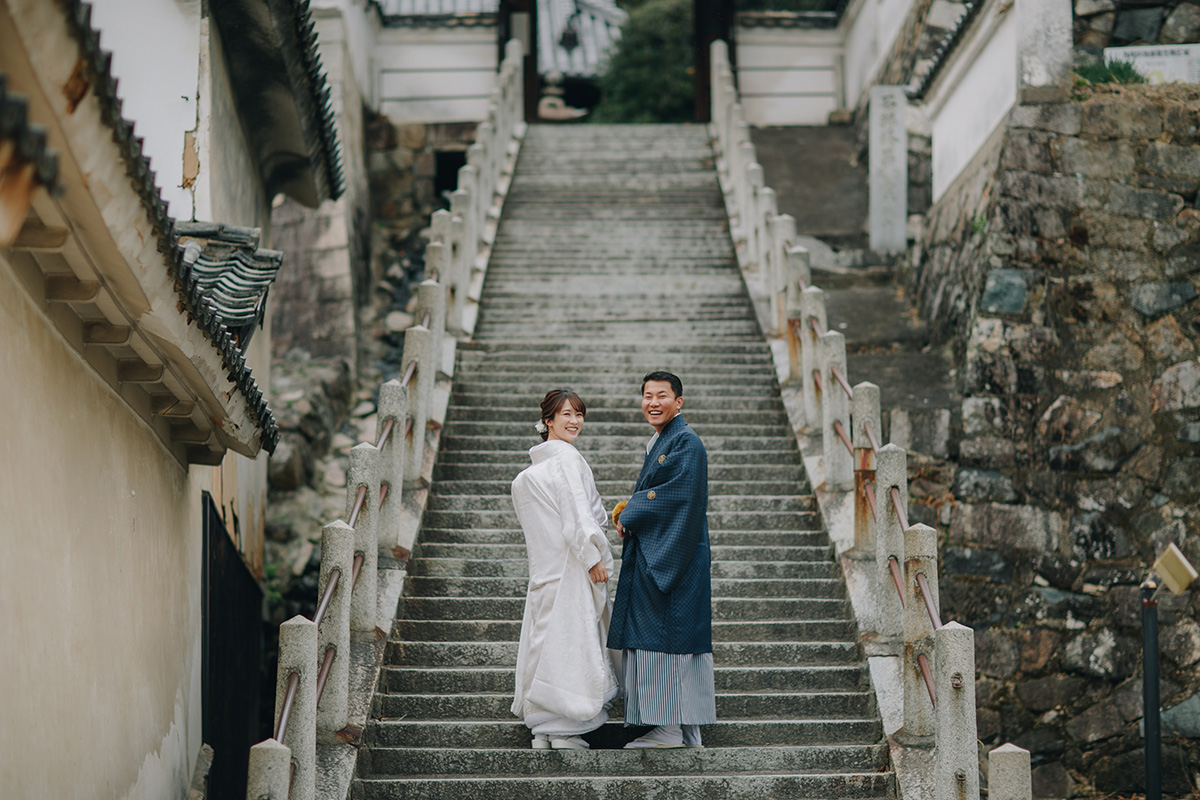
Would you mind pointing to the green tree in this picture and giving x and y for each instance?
(649, 75)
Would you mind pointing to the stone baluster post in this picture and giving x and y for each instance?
(718, 57)
(747, 155)
(514, 51)
(484, 189)
(435, 269)
(782, 232)
(891, 471)
(798, 280)
(298, 654)
(431, 299)
(337, 553)
(754, 228)
(393, 405)
(270, 771)
(956, 768)
(835, 409)
(920, 558)
(364, 471)
(418, 344)
(812, 307)
(864, 412)
(888, 180)
(799, 271)
(458, 277)
(1008, 773)
(468, 182)
(738, 133)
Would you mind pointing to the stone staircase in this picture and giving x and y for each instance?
(614, 258)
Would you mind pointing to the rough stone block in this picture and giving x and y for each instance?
(1126, 121)
(1095, 724)
(1006, 291)
(1167, 237)
(1189, 433)
(1173, 160)
(1064, 118)
(1102, 229)
(1181, 642)
(1103, 452)
(1110, 160)
(996, 654)
(1177, 388)
(1102, 654)
(1085, 8)
(1066, 420)
(1183, 719)
(993, 451)
(1094, 536)
(1115, 352)
(1073, 609)
(1038, 647)
(1183, 478)
(1089, 380)
(1006, 526)
(1182, 25)
(1063, 191)
(1184, 261)
(1027, 150)
(1145, 203)
(1138, 25)
(1182, 123)
(1159, 297)
(989, 564)
(983, 485)
(1127, 265)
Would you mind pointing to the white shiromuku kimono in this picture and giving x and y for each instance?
(566, 676)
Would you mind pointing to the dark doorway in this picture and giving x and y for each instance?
(446, 165)
(231, 656)
(518, 20)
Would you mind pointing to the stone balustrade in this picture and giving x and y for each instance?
(313, 677)
(937, 660)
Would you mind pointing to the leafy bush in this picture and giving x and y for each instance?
(1110, 72)
(649, 75)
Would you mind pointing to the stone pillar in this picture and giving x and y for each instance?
(746, 156)
(333, 630)
(1008, 773)
(956, 768)
(435, 260)
(364, 472)
(393, 405)
(270, 771)
(755, 223)
(888, 190)
(468, 181)
(891, 470)
(920, 558)
(781, 234)
(458, 277)
(799, 272)
(418, 344)
(1045, 42)
(812, 307)
(864, 412)
(298, 654)
(431, 299)
(485, 188)
(835, 409)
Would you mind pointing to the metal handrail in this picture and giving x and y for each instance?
(927, 674)
(356, 568)
(927, 595)
(901, 514)
(869, 489)
(335, 576)
(894, 566)
(289, 699)
(359, 499)
(841, 432)
(816, 328)
(408, 372)
(816, 373)
(837, 373)
(425, 320)
(385, 433)
(323, 674)
(871, 435)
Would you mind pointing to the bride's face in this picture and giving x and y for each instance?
(566, 424)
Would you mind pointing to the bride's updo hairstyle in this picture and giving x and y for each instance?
(552, 403)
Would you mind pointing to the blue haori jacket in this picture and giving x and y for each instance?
(664, 591)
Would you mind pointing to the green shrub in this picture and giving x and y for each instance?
(1110, 72)
(649, 75)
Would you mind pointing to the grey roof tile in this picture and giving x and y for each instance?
(28, 138)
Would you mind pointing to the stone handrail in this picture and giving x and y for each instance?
(938, 660)
(313, 676)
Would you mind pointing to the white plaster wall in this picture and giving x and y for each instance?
(436, 74)
(155, 55)
(100, 581)
(788, 76)
(360, 28)
(869, 29)
(974, 95)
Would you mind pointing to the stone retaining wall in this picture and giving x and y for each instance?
(1063, 268)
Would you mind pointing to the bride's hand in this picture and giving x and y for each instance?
(599, 573)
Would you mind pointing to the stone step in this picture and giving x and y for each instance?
(519, 568)
(756, 705)
(692, 761)
(732, 608)
(447, 474)
(624, 401)
(719, 520)
(725, 733)
(631, 413)
(614, 489)
(630, 429)
(634, 444)
(422, 630)
(813, 678)
(492, 545)
(427, 586)
(717, 503)
(504, 654)
(507, 463)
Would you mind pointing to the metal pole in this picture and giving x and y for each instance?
(1150, 690)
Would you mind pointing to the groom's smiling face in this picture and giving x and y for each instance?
(659, 403)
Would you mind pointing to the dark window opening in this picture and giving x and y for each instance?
(445, 176)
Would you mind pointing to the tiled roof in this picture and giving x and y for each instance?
(28, 139)
(971, 9)
(790, 13)
(597, 26)
(438, 13)
(96, 63)
(227, 264)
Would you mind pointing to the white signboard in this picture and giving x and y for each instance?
(1165, 63)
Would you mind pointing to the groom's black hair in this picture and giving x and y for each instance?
(669, 377)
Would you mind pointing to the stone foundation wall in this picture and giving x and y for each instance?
(1063, 268)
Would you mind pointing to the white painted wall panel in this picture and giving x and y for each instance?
(788, 76)
(789, 111)
(797, 82)
(436, 74)
(463, 109)
(435, 83)
(872, 31)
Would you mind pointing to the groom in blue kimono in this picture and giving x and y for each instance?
(662, 615)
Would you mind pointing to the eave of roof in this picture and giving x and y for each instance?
(27, 139)
(597, 25)
(438, 13)
(275, 68)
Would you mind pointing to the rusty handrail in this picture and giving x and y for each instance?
(335, 575)
(901, 513)
(837, 373)
(408, 427)
(894, 566)
(871, 435)
(425, 320)
(383, 492)
(408, 372)
(841, 432)
(355, 569)
(289, 699)
(816, 373)
(359, 499)
(869, 489)
(927, 674)
(385, 433)
(323, 674)
(927, 595)
(816, 328)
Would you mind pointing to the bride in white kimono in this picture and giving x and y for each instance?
(566, 677)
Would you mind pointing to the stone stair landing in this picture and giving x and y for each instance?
(614, 258)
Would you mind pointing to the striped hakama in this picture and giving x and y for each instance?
(669, 688)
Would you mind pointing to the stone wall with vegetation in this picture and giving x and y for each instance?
(1063, 269)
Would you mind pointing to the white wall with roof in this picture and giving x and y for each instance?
(436, 74)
